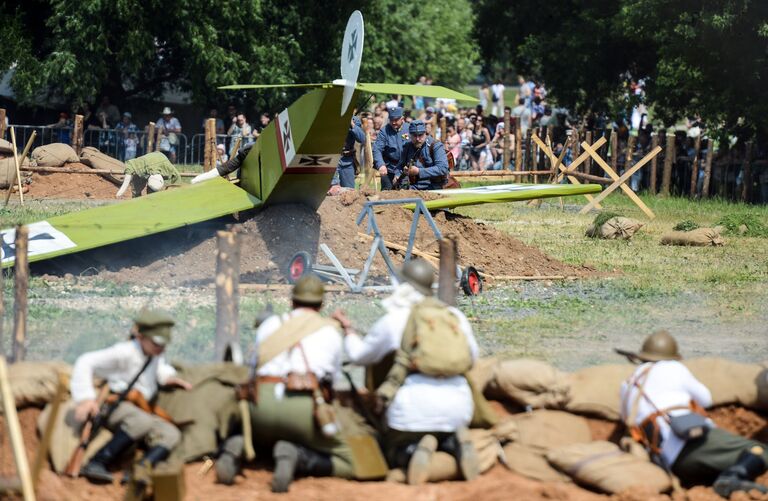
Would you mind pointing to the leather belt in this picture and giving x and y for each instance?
(270, 379)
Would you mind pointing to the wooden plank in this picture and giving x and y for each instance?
(14, 432)
(227, 299)
(654, 163)
(619, 182)
(21, 284)
(209, 154)
(41, 457)
(669, 159)
(571, 167)
(614, 150)
(695, 165)
(708, 167)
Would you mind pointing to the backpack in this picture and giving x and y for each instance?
(435, 342)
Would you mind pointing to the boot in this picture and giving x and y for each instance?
(228, 464)
(418, 466)
(460, 446)
(142, 471)
(293, 460)
(96, 469)
(740, 477)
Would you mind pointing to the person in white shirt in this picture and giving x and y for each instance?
(427, 413)
(663, 404)
(497, 98)
(300, 347)
(142, 357)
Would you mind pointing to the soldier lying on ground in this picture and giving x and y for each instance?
(663, 405)
(152, 171)
(425, 412)
(139, 358)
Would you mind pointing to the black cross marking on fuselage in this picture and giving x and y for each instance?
(9, 250)
(352, 46)
(286, 137)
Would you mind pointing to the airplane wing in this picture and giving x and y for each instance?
(274, 86)
(138, 217)
(414, 90)
(502, 193)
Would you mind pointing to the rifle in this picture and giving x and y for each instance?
(94, 424)
(631, 356)
(372, 420)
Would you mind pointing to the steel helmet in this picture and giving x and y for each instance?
(659, 346)
(419, 274)
(309, 290)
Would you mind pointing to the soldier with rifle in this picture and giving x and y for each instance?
(424, 163)
(133, 370)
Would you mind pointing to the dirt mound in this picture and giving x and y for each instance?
(70, 186)
(271, 236)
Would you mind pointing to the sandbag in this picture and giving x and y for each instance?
(54, 155)
(545, 429)
(8, 170)
(35, 383)
(617, 227)
(6, 147)
(532, 463)
(730, 382)
(66, 436)
(700, 237)
(487, 447)
(603, 466)
(595, 390)
(95, 159)
(483, 371)
(529, 382)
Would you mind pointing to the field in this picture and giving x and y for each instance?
(712, 299)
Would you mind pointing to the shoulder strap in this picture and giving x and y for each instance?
(290, 333)
(639, 383)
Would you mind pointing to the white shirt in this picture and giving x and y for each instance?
(118, 364)
(668, 384)
(322, 348)
(422, 403)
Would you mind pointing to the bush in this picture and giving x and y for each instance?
(755, 225)
(604, 216)
(686, 225)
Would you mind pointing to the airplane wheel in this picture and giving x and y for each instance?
(471, 281)
(300, 263)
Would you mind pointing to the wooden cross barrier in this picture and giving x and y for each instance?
(566, 171)
(619, 181)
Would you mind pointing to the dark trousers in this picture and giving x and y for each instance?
(346, 174)
(387, 182)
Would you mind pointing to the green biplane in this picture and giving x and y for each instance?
(293, 161)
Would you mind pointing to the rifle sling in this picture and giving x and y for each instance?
(290, 333)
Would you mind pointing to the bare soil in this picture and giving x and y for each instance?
(71, 186)
(497, 484)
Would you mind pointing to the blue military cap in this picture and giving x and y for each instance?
(356, 120)
(417, 127)
(395, 113)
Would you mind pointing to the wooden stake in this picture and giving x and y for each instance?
(446, 289)
(2, 123)
(574, 139)
(708, 167)
(41, 456)
(23, 156)
(77, 135)
(21, 281)
(588, 162)
(18, 167)
(669, 160)
(654, 163)
(14, 432)
(369, 170)
(506, 152)
(746, 186)
(207, 152)
(614, 150)
(695, 165)
(518, 146)
(150, 137)
(630, 151)
(158, 135)
(227, 298)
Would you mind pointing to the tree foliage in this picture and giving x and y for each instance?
(131, 48)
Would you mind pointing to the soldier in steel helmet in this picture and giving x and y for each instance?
(299, 355)
(141, 356)
(663, 405)
(427, 413)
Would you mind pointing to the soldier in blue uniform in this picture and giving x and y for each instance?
(346, 167)
(424, 161)
(389, 148)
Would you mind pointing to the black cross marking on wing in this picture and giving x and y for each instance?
(352, 46)
(9, 249)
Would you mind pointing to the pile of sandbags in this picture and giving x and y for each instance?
(700, 237)
(595, 390)
(529, 383)
(95, 159)
(35, 383)
(54, 155)
(617, 227)
(8, 164)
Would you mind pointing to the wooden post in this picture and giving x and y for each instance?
(21, 281)
(18, 168)
(77, 134)
(2, 123)
(575, 142)
(443, 126)
(669, 160)
(630, 151)
(446, 287)
(518, 146)
(14, 433)
(614, 150)
(708, 167)
(150, 138)
(227, 298)
(158, 134)
(746, 179)
(370, 176)
(506, 152)
(209, 151)
(654, 163)
(695, 165)
(588, 162)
